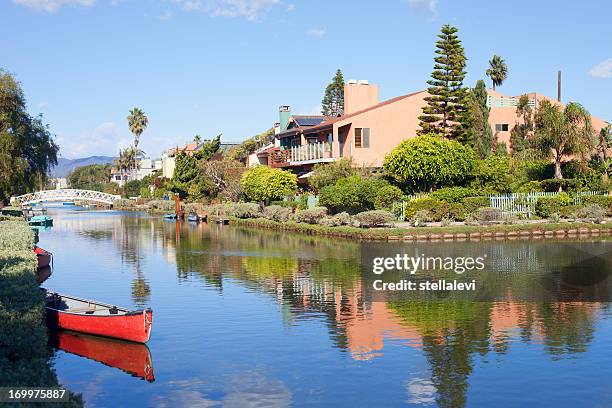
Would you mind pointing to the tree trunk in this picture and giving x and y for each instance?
(558, 174)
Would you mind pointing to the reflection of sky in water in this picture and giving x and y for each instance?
(258, 318)
(421, 391)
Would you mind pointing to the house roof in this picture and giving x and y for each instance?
(309, 120)
(331, 121)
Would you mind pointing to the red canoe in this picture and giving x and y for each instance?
(44, 257)
(133, 358)
(88, 316)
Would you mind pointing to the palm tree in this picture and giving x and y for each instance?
(137, 122)
(498, 70)
(564, 132)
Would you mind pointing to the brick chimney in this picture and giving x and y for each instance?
(359, 95)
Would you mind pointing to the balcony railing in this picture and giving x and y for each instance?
(311, 151)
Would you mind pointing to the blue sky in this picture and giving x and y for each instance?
(224, 66)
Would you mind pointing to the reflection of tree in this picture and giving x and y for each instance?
(452, 331)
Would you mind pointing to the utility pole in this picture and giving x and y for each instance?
(559, 86)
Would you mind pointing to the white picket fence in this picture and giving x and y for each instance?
(521, 205)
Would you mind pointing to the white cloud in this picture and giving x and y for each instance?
(43, 105)
(602, 70)
(430, 6)
(249, 9)
(51, 6)
(318, 32)
(291, 7)
(105, 139)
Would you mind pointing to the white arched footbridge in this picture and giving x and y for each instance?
(66, 194)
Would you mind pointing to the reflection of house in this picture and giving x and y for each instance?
(370, 129)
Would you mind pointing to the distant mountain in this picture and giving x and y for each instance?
(65, 166)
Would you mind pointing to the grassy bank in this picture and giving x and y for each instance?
(24, 354)
(546, 230)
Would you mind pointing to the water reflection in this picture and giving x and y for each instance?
(132, 358)
(312, 279)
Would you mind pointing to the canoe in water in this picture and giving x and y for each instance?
(100, 319)
(44, 257)
(132, 358)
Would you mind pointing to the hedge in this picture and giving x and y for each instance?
(16, 236)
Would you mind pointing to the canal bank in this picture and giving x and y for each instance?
(543, 230)
(25, 357)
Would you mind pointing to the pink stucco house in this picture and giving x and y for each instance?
(369, 129)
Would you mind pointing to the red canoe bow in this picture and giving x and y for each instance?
(88, 316)
(44, 257)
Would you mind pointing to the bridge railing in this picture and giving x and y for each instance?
(65, 194)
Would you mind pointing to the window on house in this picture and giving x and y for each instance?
(362, 138)
(501, 127)
(117, 177)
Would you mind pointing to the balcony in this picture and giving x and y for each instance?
(298, 155)
(319, 152)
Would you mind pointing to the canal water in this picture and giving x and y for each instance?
(251, 318)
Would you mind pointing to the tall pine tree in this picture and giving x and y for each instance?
(333, 100)
(482, 132)
(446, 103)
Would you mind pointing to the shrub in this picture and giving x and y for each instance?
(342, 218)
(386, 196)
(471, 204)
(546, 206)
(131, 188)
(452, 194)
(335, 220)
(15, 236)
(601, 200)
(555, 218)
(376, 218)
(162, 205)
(417, 204)
(554, 185)
(486, 215)
(529, 187)
(446, 221)
(352, 194)
(493, 175)
(429, 161)
(420, 218)
(245, 210)
(328, 174)
(311, 215)
(124, 203)
(277, 213)
(591, 212)
(262, 183)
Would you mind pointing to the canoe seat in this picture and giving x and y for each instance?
(81, 310)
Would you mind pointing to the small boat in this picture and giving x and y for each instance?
(170, 216)
(68, 203)
(132, 358)
(44, 257)
(193, 218)
(92, 317)
(43, 274)
(40, 220)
